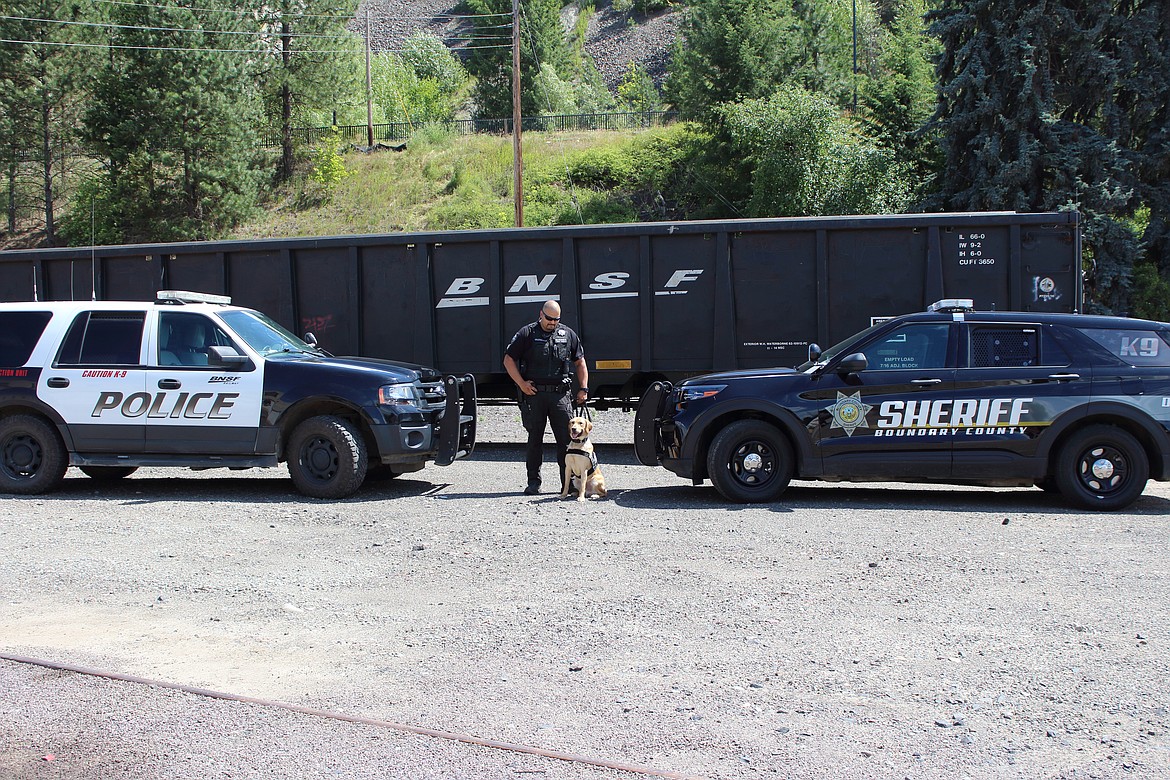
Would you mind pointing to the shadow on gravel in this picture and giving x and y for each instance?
(259, 490)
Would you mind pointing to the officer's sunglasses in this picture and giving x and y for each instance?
(550, 319)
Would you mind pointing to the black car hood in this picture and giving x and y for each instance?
(406, 372)
(749, 373)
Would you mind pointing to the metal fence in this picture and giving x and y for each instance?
(400, 131)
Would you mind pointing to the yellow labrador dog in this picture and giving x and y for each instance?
(581, 470)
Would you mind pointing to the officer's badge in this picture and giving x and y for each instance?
(849, 412)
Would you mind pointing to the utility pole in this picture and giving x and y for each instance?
(517, 155)
(369, 89)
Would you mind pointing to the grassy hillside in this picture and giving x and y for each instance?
(446, 182)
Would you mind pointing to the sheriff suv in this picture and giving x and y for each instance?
(190, 380)
(1071, 403)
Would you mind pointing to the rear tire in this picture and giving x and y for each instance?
(326, 457)
(750, 462)
(1102, 467)
(32, 457)
(107, 473)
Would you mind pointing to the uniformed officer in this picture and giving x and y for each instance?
(542, 360)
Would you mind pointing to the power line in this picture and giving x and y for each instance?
(221, 51)
(303, 16)
(164, 29)
(255, 33)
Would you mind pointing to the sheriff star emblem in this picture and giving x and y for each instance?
(849, 412)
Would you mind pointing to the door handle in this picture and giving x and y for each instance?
(169, 384)
(58, 381)
(1064, 377)
(926, 381)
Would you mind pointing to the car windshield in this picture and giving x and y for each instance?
(265, 335)
(837, 349)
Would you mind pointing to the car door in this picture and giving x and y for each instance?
(97, 382)
(1015, 380)
(889, 420)
(199, 408)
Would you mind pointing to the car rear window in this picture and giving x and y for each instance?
(1135, 347)
(19, 333)
(103, 339)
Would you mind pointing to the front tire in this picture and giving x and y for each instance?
(750, 461)
(326, 457)
(107, 473)
(1102, 467)
(32, 458)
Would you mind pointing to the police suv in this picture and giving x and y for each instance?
(190, 380)
(1071, 403)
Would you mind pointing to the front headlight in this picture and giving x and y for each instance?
(398, 395)
(695, 392)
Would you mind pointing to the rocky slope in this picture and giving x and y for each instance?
(614, 38)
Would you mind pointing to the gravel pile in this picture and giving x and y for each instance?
(614, 39)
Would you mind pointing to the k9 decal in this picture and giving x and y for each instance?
(1140, 347)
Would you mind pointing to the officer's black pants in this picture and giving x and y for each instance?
(535, 410)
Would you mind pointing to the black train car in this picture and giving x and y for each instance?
(660, 300)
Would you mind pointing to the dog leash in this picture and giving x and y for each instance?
(583, 411)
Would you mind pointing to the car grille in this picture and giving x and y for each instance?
(434, 395)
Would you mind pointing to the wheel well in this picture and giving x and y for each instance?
(1129, 426)
(317, 407)
(722, 421)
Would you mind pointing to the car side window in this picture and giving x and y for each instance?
(103, 338)
(1134, 347)
(184, 339)
(19, 333)
(910, 347)
(1005, 346)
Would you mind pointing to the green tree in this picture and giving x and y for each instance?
(727, 50)
(637, 91)
(1030, 120)
(900, 97)
(808, 158)
(310, 64)
(43, 83)
(542, 42)
(1144, 112)
(174, 118)
(425, 84)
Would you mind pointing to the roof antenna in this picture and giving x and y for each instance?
(36, 295)
(92, 249)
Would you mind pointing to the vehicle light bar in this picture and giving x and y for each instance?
(186, 296)
(952, 304)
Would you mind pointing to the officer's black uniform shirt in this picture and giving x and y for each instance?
(545, 357)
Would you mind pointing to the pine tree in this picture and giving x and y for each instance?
(900, 98)
(728, 50)
(542, 42)
(1144, 101)
(174, 116)
(1029, 122)
(42, 89)
(311, 64)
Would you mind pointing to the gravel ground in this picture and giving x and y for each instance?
(846, 632)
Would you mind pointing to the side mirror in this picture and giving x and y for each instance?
(225, 356)
(852, 364)
(814, 352)
(310, 339)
